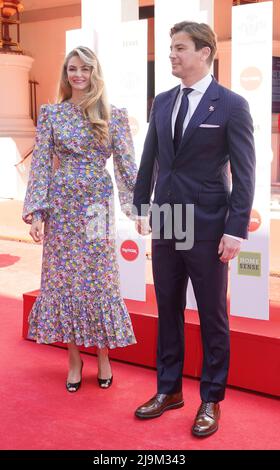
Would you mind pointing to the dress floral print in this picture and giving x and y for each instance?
(80, 298)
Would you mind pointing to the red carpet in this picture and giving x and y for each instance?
(254, 344)
(38, 413)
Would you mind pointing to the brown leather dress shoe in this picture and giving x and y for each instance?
(207, 418)
(158, 404)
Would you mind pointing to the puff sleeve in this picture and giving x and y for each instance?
(125, 169)
(36, 203)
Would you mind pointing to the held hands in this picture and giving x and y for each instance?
(36, 231)
(228, 248)
(142, 226)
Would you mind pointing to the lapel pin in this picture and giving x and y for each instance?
(211, 108)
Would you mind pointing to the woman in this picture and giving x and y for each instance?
(80, 301)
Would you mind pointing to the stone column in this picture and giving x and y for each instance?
(16, 127)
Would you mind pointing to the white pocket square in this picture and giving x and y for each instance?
(209, 125)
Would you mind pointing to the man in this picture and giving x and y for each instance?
(193, 136)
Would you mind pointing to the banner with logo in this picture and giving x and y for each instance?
(252, 78)
(128, 88)
(125, 73)
(131, 252)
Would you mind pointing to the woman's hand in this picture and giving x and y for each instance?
(36, 231)
(142, 226)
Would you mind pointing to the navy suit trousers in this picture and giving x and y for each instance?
(209, 276)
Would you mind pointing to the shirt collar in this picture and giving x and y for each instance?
(202, 85)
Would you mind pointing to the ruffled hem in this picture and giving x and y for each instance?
(65, 319)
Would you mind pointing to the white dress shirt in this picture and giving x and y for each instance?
(194, 96)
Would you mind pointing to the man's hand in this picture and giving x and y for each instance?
(36, 231)
(228, 248)
(142, 226)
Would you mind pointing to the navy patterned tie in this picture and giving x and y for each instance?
(178, 129)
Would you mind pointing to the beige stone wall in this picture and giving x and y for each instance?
(45, 40)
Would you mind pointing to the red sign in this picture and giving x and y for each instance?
(255, 221)
(251, 78)
(129, 250)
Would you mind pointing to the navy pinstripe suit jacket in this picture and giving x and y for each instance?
(198, 174)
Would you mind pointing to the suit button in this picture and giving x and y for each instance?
(169, 193)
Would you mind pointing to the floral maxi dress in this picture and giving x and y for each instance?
(80, 298)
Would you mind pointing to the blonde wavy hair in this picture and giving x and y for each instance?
(94, 104)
